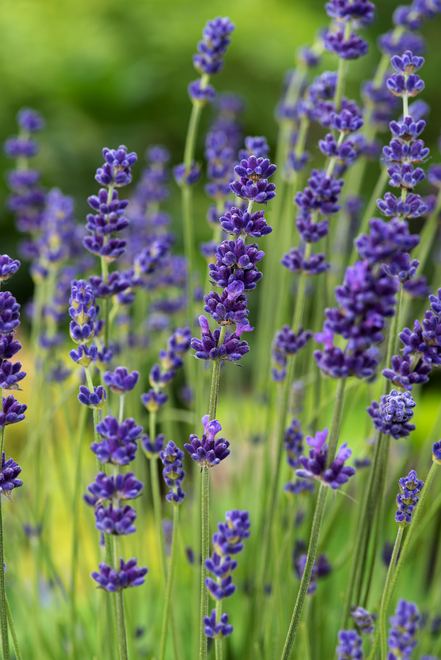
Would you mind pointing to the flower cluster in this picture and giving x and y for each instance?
(161, 375)
(364, 621)
(315, 466)
(321, 569)
(293, 445)
(407, 499)
(391, 416)
(227, 541)
(173, 472)
(129, 575)
(286, 343)
(209, 451)
(404, 626)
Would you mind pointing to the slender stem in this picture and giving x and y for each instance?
(205, 520)
(187, 214)
(384, 598)
(218, 642)
(3, 617)
(316, 525)
(13, 633)
(158, 511)
(119, 602)
(169, 588)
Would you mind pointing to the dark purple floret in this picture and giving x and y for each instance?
(404, 626)
(407, 63)
(209, 451)
(386, 241)
(8, 267)
(255, 169)
(417, 287)
(187, 177)
(173, 472)
(400, 85)
(405, 176)
(436, 452)
(8, 346)
(217, 630)
(123, 486)
(296, 263)
(9, 313)
(347, 49)
(30, 120)
(255, 145)
(340, 364)
(221, 590)
(407, 499)
(216, 39)
(259, 191)
(364, 621)
(314, 467)
(321, 194)
(435, 303)
(298, 487)
(413, 152)
(293, 443)
(127, 431)
(153, 401)
(416, 344)
(230, 307)
(129, 575)
(95, 399)
(236, 261)
(116, 170)
(407, 129)
(116, 284)
(405, 374)
(21, 147)
(84, 355)
(349, 645)
(344, 153)
(111, 250)
(10, 375)
(346, 121)
(311, 232)
(12, 411)
(392, 414)
(120, 381)
(392, 206)
(201, 93)
(238, 222)
(402, 270)
(209, 348)
(150, 257)
(115, 520)
(8, 476)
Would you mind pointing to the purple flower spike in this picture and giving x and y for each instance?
(404, 626)
(115, 520)
(436, 452)
(217, 630)
(364, 621)
(8, 476)
(8, 267)
(208, 348)
(229, 308)
(314, 467)
(9, 313)
(123, 486)
(209, 451)
(405, 374)
(30, 120)
(12, 411)
(407, 499)
(349, 645)
(95, 399)
(129, 575)
(120, 381)
(211, 50)
(239, 222)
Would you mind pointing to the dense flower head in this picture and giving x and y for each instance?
(120, 381)
(320, 569)
(110, 213)
(347, 49)
(116, 283)
(295, 261)
(209, 451)
(230, 307)
(9, 476)
(118, 445)
(404, 373)
(217, 630)
(364, 621)
(254, 190)
(314, 467)
(92, 399)
(173, 460)
(212, 48)
(9, 313)
(208, 348)
(391, 416)
(344, 154)
(240, 223)
(114, 519)
(12, 411)
(129, 575)
(405, 176)
(254, 168)
(349, 645)
(407, 63)
(404, 626)
(346, 121)
(407, 499)
(8, 267)
(293, 443)
(235, 260)
(321, 194)
(116, 171)
(123, 486)
(421, 341)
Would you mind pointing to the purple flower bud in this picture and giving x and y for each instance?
(129, 575)
(201, 94)
(120, 381)
(187, 177)
(8, 267)
(123, 486)
(95, 399)
(217, 630)
(209, 451)
(8, 476)
(153, 401)
(12, 411)
(347, 49)
(349, 645)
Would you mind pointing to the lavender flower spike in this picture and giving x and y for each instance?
(208, 452)
(314, 467)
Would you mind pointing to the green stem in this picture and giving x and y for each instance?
(385, 596)
(13, 633)
(3, 617)
(157, 510)
(205, 519)
(75, 524)
(187, 214)
(218, 642)
(119, 602)
(169, 588)
(316, 525)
